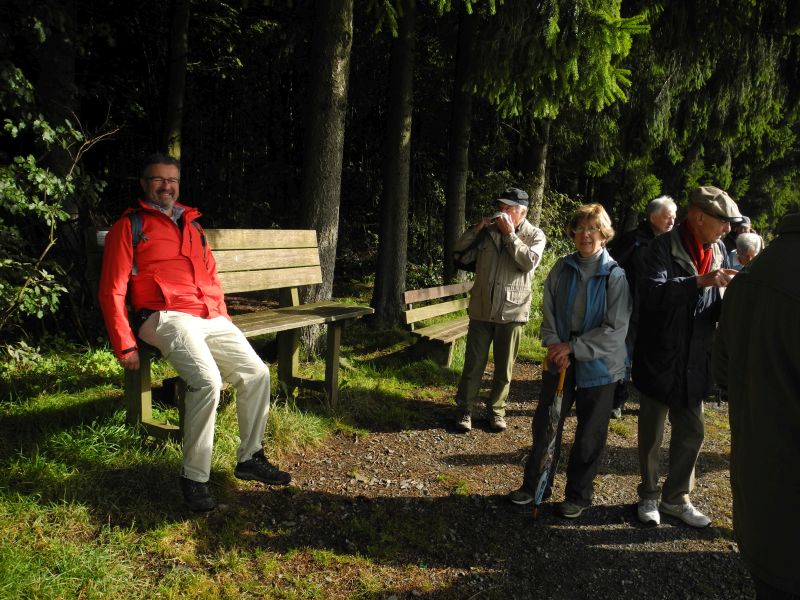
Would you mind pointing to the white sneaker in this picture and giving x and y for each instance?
(647, 512)
(686, 513)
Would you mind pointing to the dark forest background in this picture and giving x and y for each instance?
(385, 125)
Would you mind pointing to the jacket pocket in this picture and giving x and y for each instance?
(517, 305)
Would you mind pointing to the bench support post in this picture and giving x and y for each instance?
(139, 401)
(289, 357)
(440, 352)
(332, 362)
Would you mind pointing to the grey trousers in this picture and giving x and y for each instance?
(688, 432)
(504, 339)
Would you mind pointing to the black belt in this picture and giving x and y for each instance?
(142, 316)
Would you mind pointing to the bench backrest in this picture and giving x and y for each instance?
(457, 291)
(256, 259)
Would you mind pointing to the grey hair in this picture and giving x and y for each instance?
(748, 241)
(656, 205)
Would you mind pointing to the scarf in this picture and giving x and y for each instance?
(701, 256)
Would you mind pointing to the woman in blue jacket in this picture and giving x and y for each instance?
(587, 306)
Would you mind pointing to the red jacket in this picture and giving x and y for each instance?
(174, 272)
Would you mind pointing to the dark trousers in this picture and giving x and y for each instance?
(593, 409)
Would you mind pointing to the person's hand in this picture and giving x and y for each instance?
(483, 223)
(558, 354)
(504, 224)
(718, 278)
(130, 360)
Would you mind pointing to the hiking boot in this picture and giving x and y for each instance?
(647, 511)
(521, 496)
(197, 495)
(258, 468)
(686, 513)
(497, 423)
(464, 422)
(570, 510)
(616, 413)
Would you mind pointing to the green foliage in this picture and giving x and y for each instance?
(537, 58)
(32, 202)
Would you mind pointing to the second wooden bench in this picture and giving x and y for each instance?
(437, 340)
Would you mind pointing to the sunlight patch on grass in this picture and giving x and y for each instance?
(624, 427)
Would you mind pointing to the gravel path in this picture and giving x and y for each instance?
(427, 508)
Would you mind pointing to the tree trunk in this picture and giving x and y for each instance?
(390, 276)
(178, 53)
(56, 91)
(458, 163)
(324, 141)
(537, 167)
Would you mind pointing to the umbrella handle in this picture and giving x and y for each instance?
(561, 375)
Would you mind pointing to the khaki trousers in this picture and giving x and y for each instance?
(205, 352)
(688, 432)
(504, 339)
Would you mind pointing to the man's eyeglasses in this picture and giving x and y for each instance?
(160, 180)
(589, 230)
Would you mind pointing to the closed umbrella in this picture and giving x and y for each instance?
(551, 434)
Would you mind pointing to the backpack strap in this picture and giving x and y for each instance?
(137, 235)
(202, 238)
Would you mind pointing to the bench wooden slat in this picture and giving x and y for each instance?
(446, 332)
(249, 281)
(275, 258)
(414, 315)
(235, 239)
(433, 293)
(292, 317)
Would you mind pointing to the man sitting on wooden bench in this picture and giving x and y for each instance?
(170, 279)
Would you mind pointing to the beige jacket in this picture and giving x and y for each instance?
(503, 273)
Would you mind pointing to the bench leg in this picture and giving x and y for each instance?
(138, 392)
(139, 402)
(289, 357)
(332, 362)
(439, 352)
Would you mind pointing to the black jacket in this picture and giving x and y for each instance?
(676, 324)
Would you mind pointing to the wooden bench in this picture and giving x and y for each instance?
(251, 260)
(436, 341)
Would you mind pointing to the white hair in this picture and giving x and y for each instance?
(746, 242)
(658, 204)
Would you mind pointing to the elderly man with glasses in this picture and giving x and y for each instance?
(684, 271)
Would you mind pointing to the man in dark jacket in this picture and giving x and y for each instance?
(756, 361)
(629, 252)
(679, 306)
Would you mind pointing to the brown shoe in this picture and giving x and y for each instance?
(464, 422)
(498, 423)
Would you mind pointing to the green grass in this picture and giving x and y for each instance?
(91, 509)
